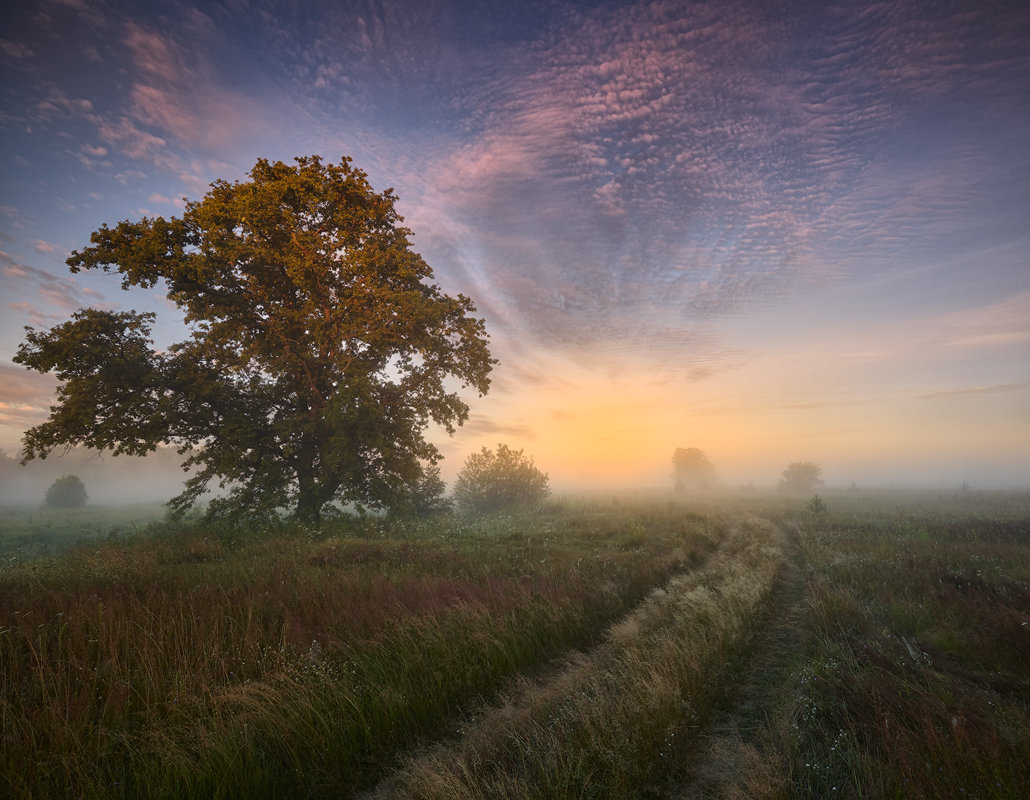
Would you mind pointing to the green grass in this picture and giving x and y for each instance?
(913, 682)
(31, 531)
(729, 647)
(187, 663)
(603, 726)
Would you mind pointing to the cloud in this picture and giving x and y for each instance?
(598, 164)
(93, 156)
(57, 104)
(21, 386)
(25, 399)
(63, 293)
(17, 51)
(180, 94)
(976, 391)
(656, 167)
(136, 143)
(479, 425)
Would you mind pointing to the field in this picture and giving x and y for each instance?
(635, 647)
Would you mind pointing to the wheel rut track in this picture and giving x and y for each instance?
(537, 678)
(736, 736)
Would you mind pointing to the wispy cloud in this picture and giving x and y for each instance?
(658, 166)
(975, 391)
(479, 425)
(17, 51)
(54, 292)
(25, 399)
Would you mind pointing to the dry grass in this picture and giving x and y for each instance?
(220, 663)
(195, 662)
(611, 722)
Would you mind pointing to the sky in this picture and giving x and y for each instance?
(775, 231)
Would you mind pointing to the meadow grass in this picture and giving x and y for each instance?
(909, 678)
(734, 646)
(31, 531)
(199, 662)
(606, 726)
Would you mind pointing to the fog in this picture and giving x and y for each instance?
(126, 480)
(109, 480)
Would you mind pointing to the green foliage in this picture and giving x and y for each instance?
(801, 476)
(816, 505)
(425, 495)
(496, 481)
(66, 492)
(692, 469)
(319, 349)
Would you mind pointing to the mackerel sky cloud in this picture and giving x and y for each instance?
(773, 231)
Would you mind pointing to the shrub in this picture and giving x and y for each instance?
(816, 505)
(66, 492)
(425, 495)
(495, 481)
(800, 476)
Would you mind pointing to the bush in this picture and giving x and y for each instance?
(66, 492)
(816, 505)
(495, 481)
(424, 497)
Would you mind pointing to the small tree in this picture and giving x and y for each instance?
(816, 505)
(801, 476)
(495, 481)
(691, 469)
(425, 495)
(66, 492)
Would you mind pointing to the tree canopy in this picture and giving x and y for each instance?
(801, 476)
(319, 348)
(692, 469)
(499, 480)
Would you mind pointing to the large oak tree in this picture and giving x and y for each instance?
(319, 348)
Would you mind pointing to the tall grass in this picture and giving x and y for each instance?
(914, 684)
(198, 661)
(194, 662)
(614, 722)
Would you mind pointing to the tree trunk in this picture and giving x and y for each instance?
(309, 506)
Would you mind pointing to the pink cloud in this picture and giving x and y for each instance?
(178, 94)
(134, 142)
(154, 54)
(16, 50)
(58, 104)
(63, 293)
